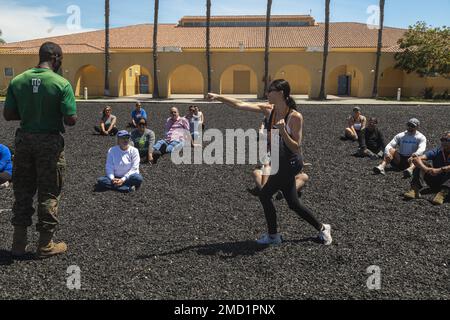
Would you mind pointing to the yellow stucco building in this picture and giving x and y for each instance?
(237, 46)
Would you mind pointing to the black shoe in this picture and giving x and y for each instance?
(279, 196)
(254, 192)
(156, 155)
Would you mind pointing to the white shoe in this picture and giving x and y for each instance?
(325, 235)
(4, 185)
(379, 170)
(408, 173)
(268, 240)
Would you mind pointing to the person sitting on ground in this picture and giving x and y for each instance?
(411, 143)
(437, 176)
(5, 166)
(108, 123)
(143, 139)
(176, 132)
(371, 141)
(137, 114)
(196, 123)
(356, 122)
(122, 166)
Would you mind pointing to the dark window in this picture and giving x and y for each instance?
(9, 72)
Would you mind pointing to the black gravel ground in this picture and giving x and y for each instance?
(189, 232)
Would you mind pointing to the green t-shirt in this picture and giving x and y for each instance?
(41, 97)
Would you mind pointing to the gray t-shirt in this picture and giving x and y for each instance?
(143, 142)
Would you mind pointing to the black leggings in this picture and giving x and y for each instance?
(284, 180)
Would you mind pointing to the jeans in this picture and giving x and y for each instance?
(164, 146)
(134, 180)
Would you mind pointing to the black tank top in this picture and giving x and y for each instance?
(286, 154)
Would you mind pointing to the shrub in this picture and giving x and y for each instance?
(428, 93)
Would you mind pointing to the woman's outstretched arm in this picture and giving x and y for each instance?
(241, 105)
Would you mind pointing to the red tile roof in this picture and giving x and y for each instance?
(342, 35)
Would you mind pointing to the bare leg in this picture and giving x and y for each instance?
(351, 134)
(395, 158)
(258, 177)
(300, 180)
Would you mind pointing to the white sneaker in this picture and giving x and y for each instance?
(379, 170)
(325, 235)
(408, 173)
(4, 185)
(268, 240)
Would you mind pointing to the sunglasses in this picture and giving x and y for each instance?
(173, 112)
(142, 124)
(410, 125)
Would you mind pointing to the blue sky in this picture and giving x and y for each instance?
(28, 19)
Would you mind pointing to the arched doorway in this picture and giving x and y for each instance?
(298, 78)
(91, 78)
(134, 80)
(185, 79)
(345, 80)
(389, 81)
(238, 79)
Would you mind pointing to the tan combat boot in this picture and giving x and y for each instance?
(412, 194)
(47, 248)
(440, 197)
(20, 241)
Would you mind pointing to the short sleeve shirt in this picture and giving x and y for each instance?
(42, 98)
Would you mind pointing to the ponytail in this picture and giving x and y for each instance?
(291, 103)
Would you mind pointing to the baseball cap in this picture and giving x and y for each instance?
(123, 133)
(414, 122)
(356, 109)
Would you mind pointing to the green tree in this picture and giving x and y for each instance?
(379, 46)
(107, 54)
(425, 50)
(267, 47)
(322, 94)
(1, 40)
(208, 43)
(155, 52)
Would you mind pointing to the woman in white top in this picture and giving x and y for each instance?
(196, 123)
(356, 122)
(122, 166)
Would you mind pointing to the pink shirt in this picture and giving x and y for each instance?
(177, 130)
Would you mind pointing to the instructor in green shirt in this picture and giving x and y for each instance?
(43, 101)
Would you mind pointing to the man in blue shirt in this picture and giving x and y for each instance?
(137, 114)
(5, 166)
(437, 176)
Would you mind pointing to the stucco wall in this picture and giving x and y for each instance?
(186, 72)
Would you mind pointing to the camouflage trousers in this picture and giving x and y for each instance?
(39, 165)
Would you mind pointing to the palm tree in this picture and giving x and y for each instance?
(155, 52)
(208, 42)
(107, 55)
(322, 95)
(379, 46)
(266, 47)
(1, 40)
